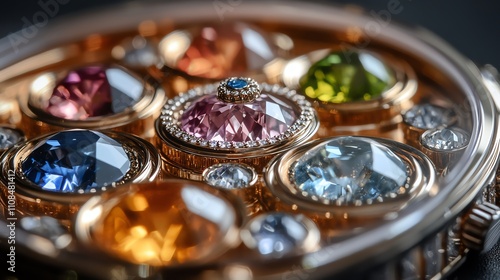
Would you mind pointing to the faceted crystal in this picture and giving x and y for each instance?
(427, 116)
(213, 120)
(9, 137)
(445, 139)
(347, 77)
(349, 168)
(229, 176)
(75, 161)
(217, 51)
(237, 83)
(165, 223)
(275, 234)
(94, 91)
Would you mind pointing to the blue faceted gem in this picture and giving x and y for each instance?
(351, 168)
(237, 83)
(75, 161)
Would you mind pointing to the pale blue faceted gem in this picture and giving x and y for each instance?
(351, 168)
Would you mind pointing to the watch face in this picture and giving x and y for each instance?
(298, 141)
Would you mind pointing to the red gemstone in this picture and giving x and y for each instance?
(83, 93)
(218, 51)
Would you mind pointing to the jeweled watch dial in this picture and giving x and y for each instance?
(181, 141)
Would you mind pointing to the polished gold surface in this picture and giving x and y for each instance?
(131, 237)
(162, 223)
(31, 200)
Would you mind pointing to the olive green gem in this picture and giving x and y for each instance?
(347, 77)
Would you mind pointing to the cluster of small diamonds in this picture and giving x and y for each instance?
(247, 94)
(173, 110)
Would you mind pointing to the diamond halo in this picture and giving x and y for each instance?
(174, 107)
(238, 90)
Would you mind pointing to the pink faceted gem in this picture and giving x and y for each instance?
(213, 120)
(83, 93)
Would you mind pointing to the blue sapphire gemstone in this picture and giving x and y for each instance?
(237, 83)
(76, 161)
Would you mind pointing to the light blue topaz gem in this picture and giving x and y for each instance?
(76, 161)
(349, 169)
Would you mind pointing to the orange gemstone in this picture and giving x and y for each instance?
(217, 51)
(165, 223)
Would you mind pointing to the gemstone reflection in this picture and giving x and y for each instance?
(229, 176)
(347, 77)
(428, 116)
(165, 223)
(217, 51)
(445, 139)
(214, 120)
(76, 161)
(349, 169)
(93, 91)
(9, 137)
(278, 234)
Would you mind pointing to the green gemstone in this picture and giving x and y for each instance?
(347, 77)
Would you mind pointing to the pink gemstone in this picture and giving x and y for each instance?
(213, 120)
(83, 93)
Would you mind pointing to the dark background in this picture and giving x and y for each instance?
(472, 27)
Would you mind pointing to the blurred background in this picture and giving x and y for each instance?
(472, 27)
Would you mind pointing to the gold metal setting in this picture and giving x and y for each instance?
(187, 153)
(139, 119)
(33, 201)
(372, 117)
(338, 214)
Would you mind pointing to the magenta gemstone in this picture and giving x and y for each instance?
(213, 120)
(83, 93)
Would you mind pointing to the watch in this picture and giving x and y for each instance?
(241, 140)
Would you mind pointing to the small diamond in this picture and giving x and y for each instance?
(445, 139)
(347, 77)
(94, 91)
(349, 168)
(9, 137)
(72, 160)
(229, 176)
(427, 116)
(277, 234)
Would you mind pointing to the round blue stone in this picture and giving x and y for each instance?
(349, 168)
(237, 83)
(75, 161)
(277, 234)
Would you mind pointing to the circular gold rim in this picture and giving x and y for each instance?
(99, 206)
(421, 181)
(134, 119)
(32, 199)
(188, 154)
